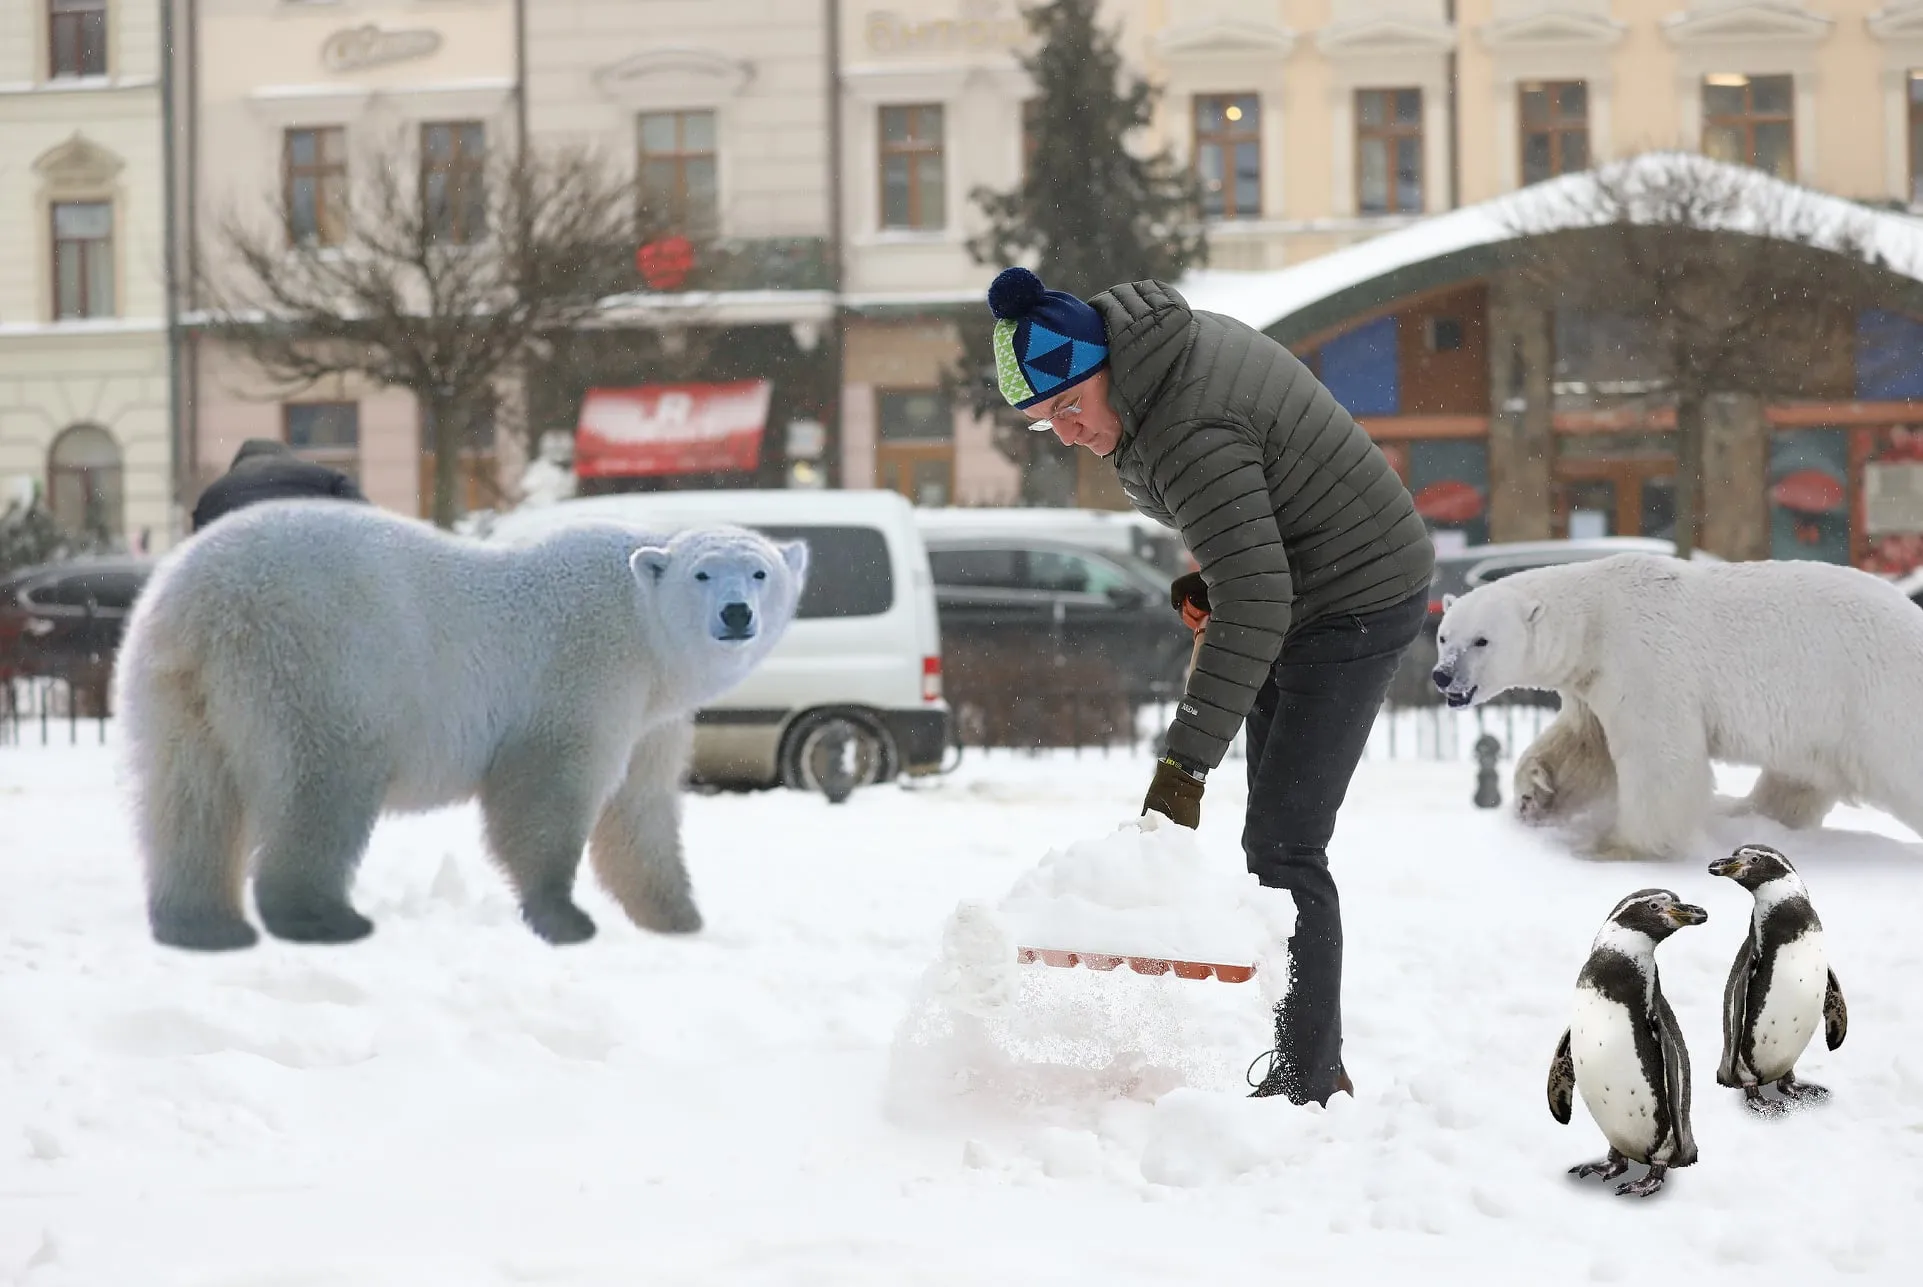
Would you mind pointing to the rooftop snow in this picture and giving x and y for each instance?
(1261, 299)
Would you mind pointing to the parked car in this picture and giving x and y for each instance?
(66, 619)
(1461, 571)
(55, 617)
(1047, 597)
(1121, 532)
(1911, 584)
(859, 671)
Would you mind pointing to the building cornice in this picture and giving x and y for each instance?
(1376, 37)
(1224, 37)
(1552, 30)
(1898, 22)
(1747, 23)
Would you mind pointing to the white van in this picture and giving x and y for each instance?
(1116, 531)
(859, 671)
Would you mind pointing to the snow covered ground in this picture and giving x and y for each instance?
(451, 1102)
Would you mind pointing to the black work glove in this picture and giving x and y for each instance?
(1189, 588)
(1176, 793)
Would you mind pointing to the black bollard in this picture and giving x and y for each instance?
(837, 782)
(1488, 794)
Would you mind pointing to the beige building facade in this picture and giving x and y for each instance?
(1317, 124)
(83, 338)
(286, 103)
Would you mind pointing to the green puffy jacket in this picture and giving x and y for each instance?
(1291, 511)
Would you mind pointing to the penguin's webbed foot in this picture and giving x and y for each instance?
(1607, 1169)
(1644, 1187)
(1807, 1092)
(1755, 1102)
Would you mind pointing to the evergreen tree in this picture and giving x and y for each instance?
(1088, 213)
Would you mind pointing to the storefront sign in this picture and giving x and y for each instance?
(355, 48)
(671, 429)
(1809, 491)
(977, 28)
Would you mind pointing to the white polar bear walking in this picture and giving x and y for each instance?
(303, 666)
(1810, 671)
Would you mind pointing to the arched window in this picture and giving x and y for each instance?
(84, 481)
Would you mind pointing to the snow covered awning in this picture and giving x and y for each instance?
(654, 429)
(1463, 244)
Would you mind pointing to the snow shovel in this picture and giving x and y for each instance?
(1154, 965)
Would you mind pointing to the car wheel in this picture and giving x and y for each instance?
(835, 752)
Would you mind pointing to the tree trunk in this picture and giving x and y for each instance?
(1689, 470)
(449, 433)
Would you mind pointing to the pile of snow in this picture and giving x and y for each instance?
(987, 1029)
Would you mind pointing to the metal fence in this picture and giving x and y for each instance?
(51, 708)
(47, 710)
(1082, 722)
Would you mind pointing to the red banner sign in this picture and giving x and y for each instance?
(671, 429)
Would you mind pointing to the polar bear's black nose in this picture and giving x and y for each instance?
(736, 616)
(1442, 676)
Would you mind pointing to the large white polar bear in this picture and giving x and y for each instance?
(1810, 671)
(302, 666)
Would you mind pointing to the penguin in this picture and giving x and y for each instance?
(1624, 1050)
(1781, 986)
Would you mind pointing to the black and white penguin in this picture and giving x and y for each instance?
(1780, 988)
(1623, 1049)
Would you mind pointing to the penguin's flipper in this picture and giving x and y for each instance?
(1736, 1014)
(1836, 1015)
(1562, 1081)
(1669, 1034)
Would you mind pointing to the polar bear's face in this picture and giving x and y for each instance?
(723, 589)
(1483, 643)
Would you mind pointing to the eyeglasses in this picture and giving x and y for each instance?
(1047, 422)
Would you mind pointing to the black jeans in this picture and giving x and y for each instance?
(1306, 733)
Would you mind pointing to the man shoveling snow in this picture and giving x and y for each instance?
(1314, 577)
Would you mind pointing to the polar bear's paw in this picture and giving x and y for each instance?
(213, 932)
(557, 920)
(311, 920)
(1535, 793)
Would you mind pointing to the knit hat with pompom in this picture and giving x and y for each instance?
(1045, 340)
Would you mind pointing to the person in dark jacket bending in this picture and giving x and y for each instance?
(1314, 578)
(265, 470)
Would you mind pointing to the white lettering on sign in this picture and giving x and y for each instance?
(670, 415)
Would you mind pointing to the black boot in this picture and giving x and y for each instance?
(1280, 1079)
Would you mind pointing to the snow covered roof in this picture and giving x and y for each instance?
(1264, 299)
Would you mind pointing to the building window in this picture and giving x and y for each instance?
(328, 433)
(1388, 145)
(1809, 495)
(83, 259)
(1916, 138)
(678, 185)
(913, 192)
(453, 180)
(1555, 128)
(476, 476)
(77, 38)
(84, 487)
(1751, 120)
(914, 415)
(1228, 155)
(314, 164)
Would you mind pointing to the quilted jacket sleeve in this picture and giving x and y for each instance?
(1209, 475)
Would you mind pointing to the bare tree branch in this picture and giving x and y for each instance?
(410, 298)
(1733, 282)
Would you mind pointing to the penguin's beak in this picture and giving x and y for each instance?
(1681, 914)
(1730, 866)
